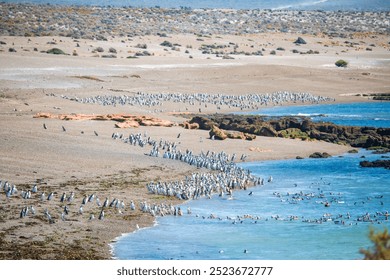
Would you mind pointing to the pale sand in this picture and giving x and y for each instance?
(33, 82)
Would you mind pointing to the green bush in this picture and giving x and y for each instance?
(56, 51)
(341, 63)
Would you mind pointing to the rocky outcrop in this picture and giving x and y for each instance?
(217, 134)
(122, 120)
(188, 125)
(203, 122)
(220, 134)
(127, 124)
(300, 41)
(319, 155)
(240, 135)
(376, 163)
(100, 23)
(297, 128)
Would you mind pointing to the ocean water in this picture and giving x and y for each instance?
(235, 4)
(376, 114)
(285, 219)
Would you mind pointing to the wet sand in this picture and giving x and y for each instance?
(77, 160)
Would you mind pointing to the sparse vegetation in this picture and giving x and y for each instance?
(99, 49)
(142, 46)
(109, 56)
(166, 44)
(341, 63)
(144, 53)
(89, 78)
(379, 96)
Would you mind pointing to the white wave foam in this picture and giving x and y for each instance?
(310, 115)
(346, 116)
(297, 5)
(124, 235)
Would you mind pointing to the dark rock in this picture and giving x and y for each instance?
(300, 41)
(380, 151)
(204, 123)
(298, 127)
(144, 53)
(227, 57)
(108, 56)
(249, 137)
(299, 157)
(353, 151)
(166, 44)
(141, 46)
(320, 155)
(376, 163)
(267, 131)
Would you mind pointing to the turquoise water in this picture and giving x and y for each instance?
(235, 4)
(282, 220)
(376, 114)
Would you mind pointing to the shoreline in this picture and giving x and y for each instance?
(112, 243)
(123, 235)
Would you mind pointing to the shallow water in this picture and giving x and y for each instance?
(282, 220)
(375, 114)
(349, 189)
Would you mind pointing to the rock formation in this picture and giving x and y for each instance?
(122, 120)
(297, 127)
(376, 163)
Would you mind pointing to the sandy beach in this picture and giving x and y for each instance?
(80, 156)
